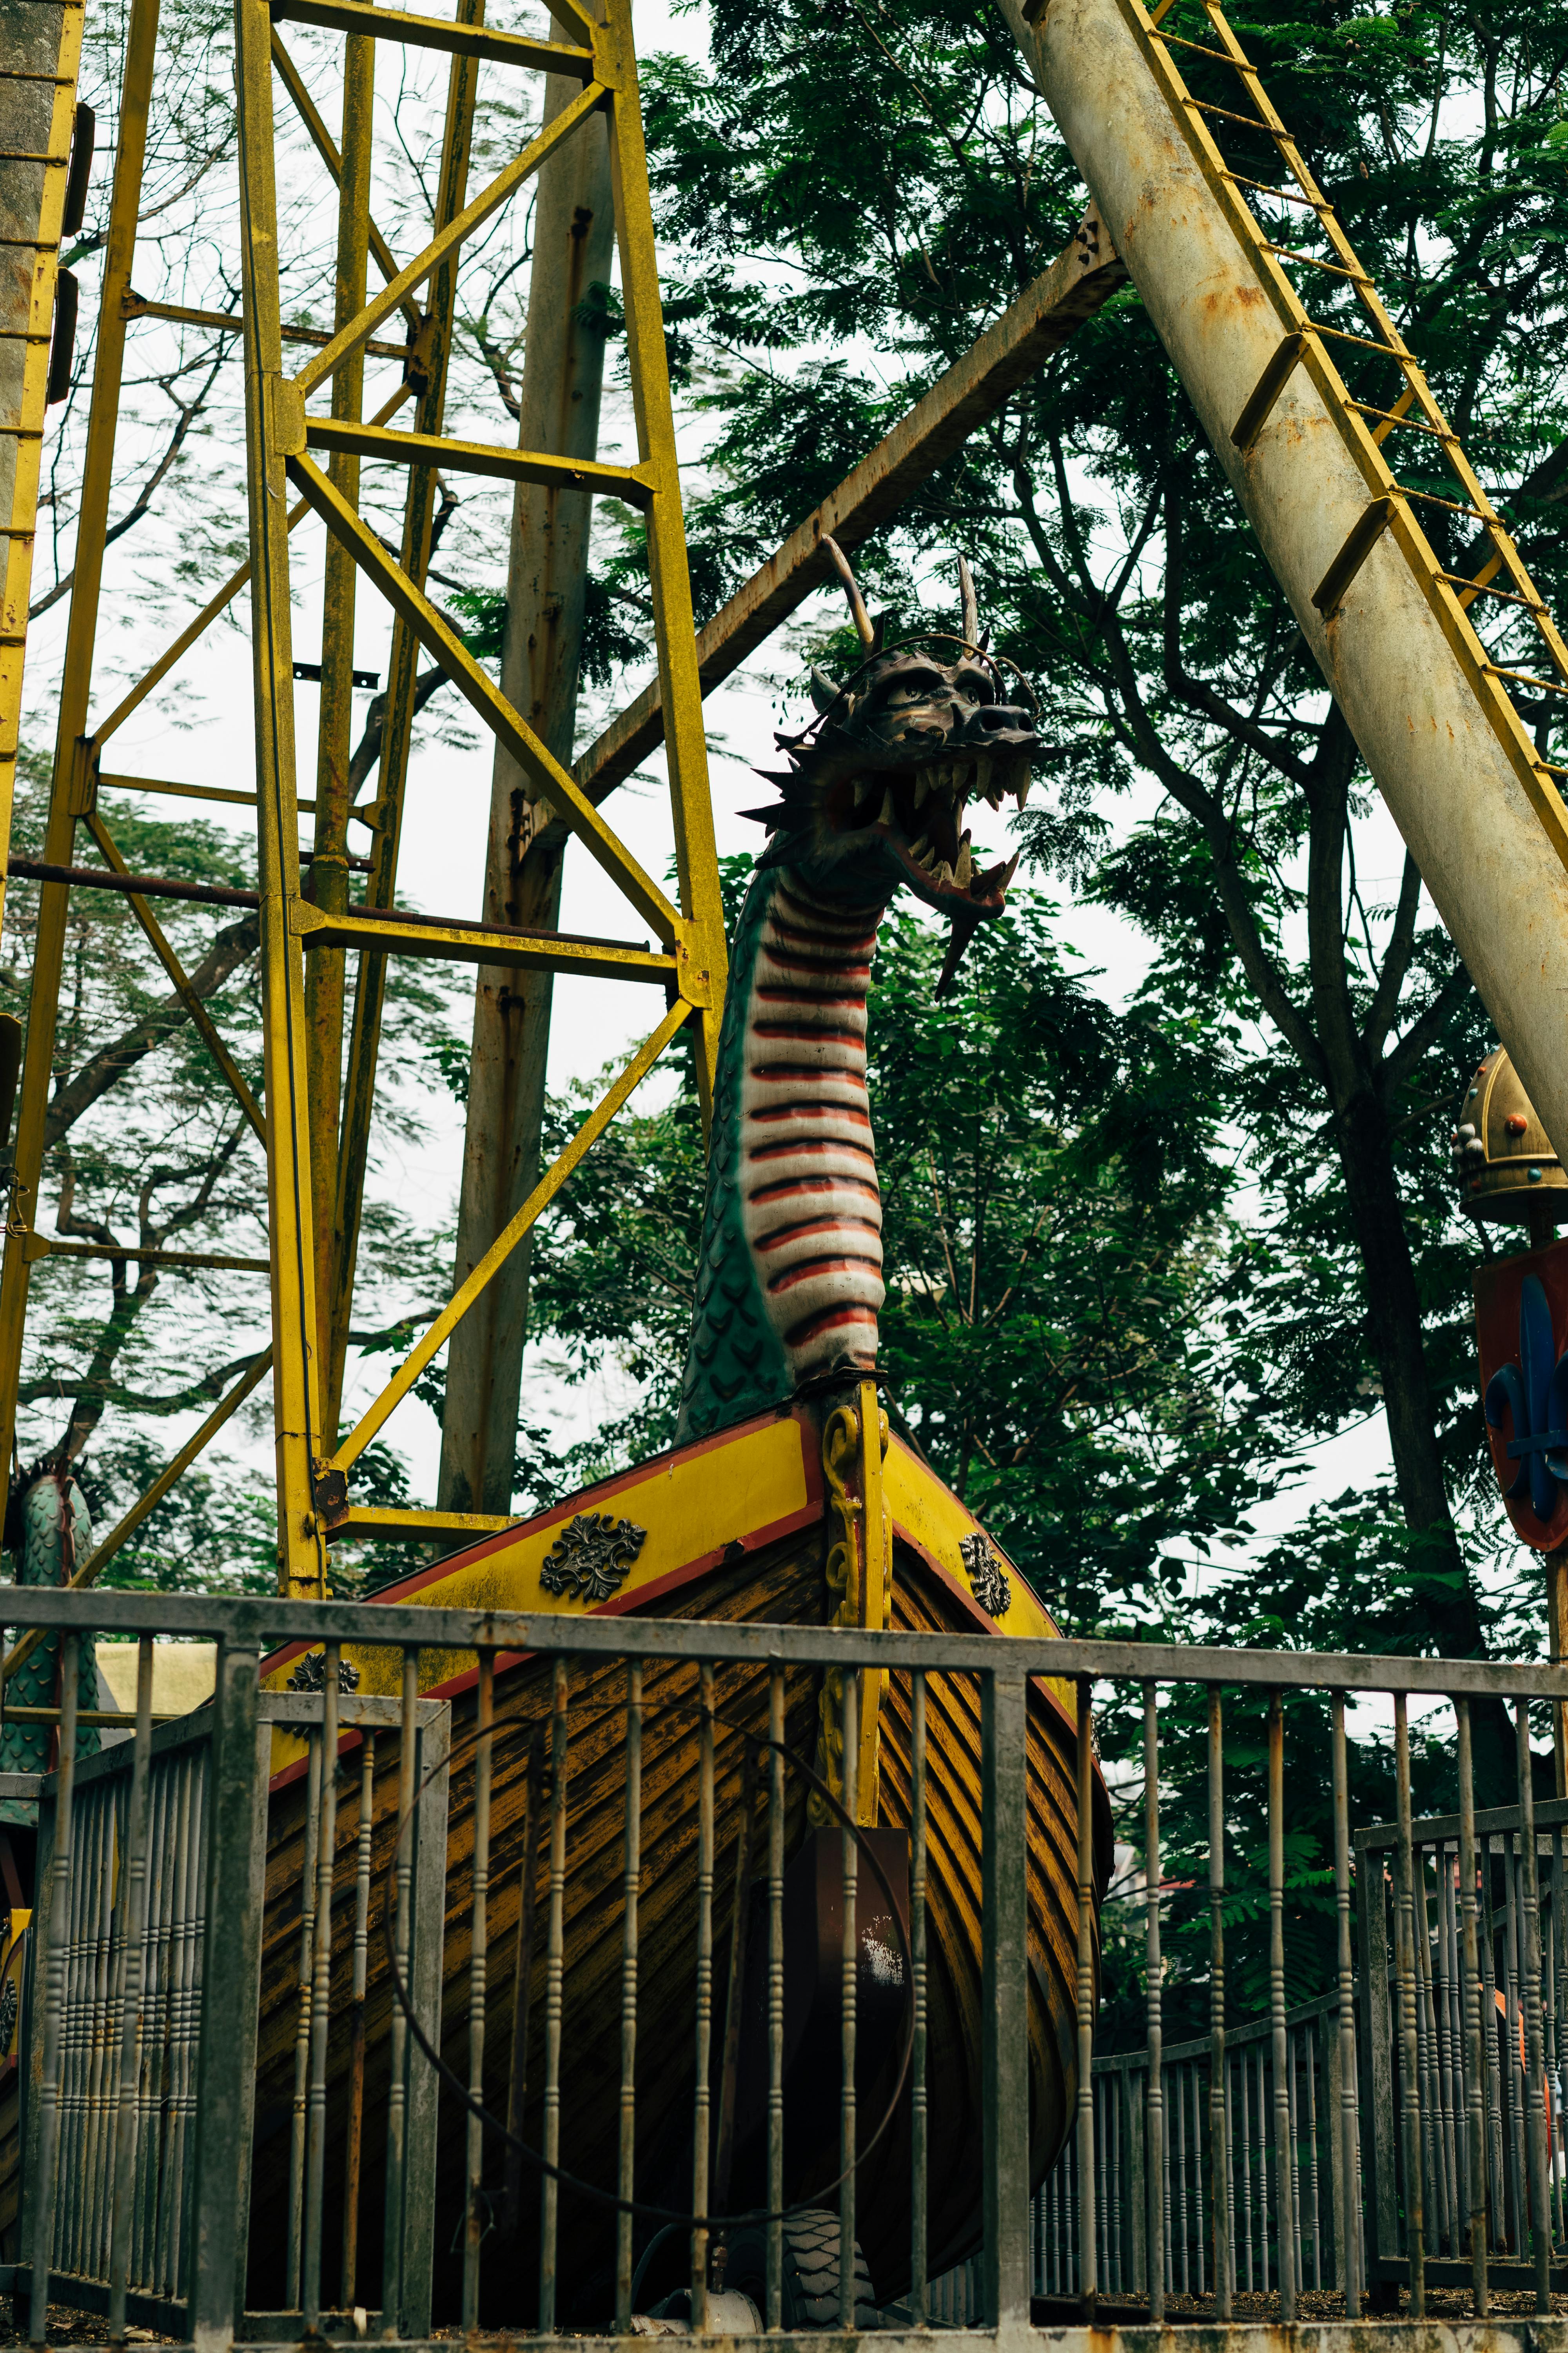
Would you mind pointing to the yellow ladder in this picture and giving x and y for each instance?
(1363, 427)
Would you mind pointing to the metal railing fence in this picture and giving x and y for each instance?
(1322, 2251)
(1466, 2113)
(604, 1690)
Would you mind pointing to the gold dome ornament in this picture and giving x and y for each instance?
(1504, 1165)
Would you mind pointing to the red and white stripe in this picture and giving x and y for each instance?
(813, 1208)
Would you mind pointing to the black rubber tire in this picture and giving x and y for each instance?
(810, 2271)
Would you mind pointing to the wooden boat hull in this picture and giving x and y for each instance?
(771, 1570)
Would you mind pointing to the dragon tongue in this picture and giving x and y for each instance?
(986, 893)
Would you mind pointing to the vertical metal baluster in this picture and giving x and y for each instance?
(1309, 2044)
(1559, 2015)
(918, 2120)
(1219, 2143)
(1534, 2062)
(197, 1912)
(1348, 2122)
(88, 1994)
(701, 2133)
(1102, 2186)
(849, 1958)
(154, 2013)
(1284, 2232)
(1300, 2243)
(403, 1946)
(555, 1969)
(1116, 2089)
(1169, 2210)
(322, 1993)
(1246, 2199)
(1196, 2089)
(1436, 2200)
(1514, 2110)
(1553, 2084)
(42, 2250)
(135, 1912)
(75, 2016)
(86, 2181)
(631, 1884)
(1229, 2181)
(774, 2317)
(1410, 2083)
(355, 2139)
(1089, 2276)
(1154, 2123)
(166, 2255)
(479, 1979)
(1179, 2169)
(1496, 2202)
(1449, 2048)
(292, 2291)
(1263, 2204)
(1475, 2069)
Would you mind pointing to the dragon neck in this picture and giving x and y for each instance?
(790, 1269)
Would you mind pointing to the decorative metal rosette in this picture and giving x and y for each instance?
(992, 1586)
(590, 1558)
(310, 1673)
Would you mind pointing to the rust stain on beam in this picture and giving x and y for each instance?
(1078, 283)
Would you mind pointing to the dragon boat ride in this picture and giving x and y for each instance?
(787, 1500)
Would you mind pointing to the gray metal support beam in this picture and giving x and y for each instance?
(231, 1982)
(1004, 2003)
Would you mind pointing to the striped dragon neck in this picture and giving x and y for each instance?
(789, 1275)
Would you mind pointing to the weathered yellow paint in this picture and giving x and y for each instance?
(692, 1504)
(928, 1514)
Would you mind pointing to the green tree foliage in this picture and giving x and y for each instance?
(847, 201)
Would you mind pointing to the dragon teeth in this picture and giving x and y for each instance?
(966, 866)
(923, 780)
(885, 814)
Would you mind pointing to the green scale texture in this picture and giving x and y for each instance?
(735, 1362)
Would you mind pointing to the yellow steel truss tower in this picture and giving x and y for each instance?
(305, 438)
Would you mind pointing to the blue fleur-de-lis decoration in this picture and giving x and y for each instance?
(1537, 1402)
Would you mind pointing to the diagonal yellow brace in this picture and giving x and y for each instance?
(472, 217)
(99, 1559)
(550, 779)
(200, 1016)
(505, 1241)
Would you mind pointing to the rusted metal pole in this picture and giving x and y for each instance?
(1394, 669)
(563, 378)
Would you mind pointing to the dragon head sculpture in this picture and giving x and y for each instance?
(876, 792)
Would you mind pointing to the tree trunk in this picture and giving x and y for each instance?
(563, 378)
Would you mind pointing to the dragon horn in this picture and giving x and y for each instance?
(971, 624)
(856, 603)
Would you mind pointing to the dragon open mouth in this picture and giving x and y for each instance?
(919, 813)
(876, 788)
